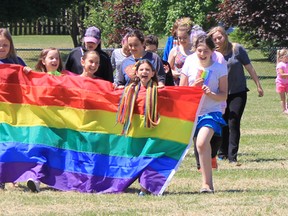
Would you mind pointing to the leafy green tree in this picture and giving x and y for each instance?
(265, 21)
(114, 18)
(150, 16)
(100, 15)
(160, 15)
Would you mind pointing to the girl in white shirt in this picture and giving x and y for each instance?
(211, 76)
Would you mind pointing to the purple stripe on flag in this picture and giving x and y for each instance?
(151, 180)
(68, 181)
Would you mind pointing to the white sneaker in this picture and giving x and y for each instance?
(33, 185)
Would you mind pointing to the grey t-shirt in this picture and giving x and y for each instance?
(236, 76)
(116, 59)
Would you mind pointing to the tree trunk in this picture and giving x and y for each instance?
(74, 29)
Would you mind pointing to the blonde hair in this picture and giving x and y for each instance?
(281, 54)
(185, 22)
(181, 23)
(12, 52)
(41, 67)
(227, 45)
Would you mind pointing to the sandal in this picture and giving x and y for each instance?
(206, 190)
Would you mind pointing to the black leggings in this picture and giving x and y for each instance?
(231, 133)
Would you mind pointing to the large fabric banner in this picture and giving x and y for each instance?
(62, 131)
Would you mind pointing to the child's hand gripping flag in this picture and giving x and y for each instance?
(205, 75)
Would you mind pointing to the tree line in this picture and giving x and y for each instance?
(264, 22)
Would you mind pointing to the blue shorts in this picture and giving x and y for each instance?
(212, 120)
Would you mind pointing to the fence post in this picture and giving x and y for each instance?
(14, 28)
(38, 27)
(20, 28)
(25, 27)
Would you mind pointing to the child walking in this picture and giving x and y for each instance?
(118, 55)
(179, 53)
(214, 85)
(282, 77)
(50, 62)
(8, 56)
(7, 51)
(145, 83)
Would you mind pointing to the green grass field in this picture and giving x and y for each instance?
(258, 187)
(42, 41)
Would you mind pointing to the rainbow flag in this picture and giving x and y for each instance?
(204, 74)
(61, 131)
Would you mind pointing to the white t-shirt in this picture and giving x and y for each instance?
(216, 71)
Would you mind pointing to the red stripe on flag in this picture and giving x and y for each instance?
(42, 89)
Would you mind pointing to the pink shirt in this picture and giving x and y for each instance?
(284, 67)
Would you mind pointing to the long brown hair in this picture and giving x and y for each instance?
(227, 45)
(12, 52)
(129, 98)
(142, 61)
(41, 67)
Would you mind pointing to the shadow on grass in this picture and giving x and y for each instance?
(137, 190)
(49, 189)
(259, 160)
(132, 190)
(198, 193)
(23, 187)
(231, 191)
(181, 193)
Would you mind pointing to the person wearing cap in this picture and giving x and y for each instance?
(91, 42)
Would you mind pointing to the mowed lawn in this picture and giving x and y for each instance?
(42, 41)
(58, 41)
(259, 186)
